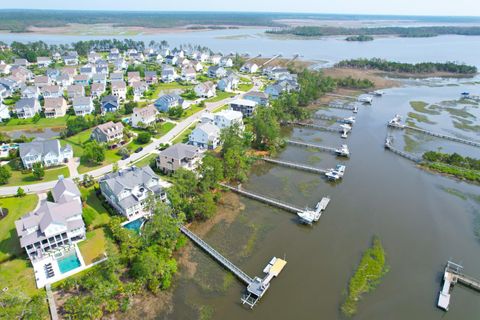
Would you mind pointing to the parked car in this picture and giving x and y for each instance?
(138, 149)
(125, 157)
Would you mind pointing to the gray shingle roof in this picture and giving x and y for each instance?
(65, 190)
(39, 147)
(180, 151)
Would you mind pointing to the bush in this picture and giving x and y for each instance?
(5, 174)
(144, 138)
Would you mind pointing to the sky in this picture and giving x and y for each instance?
(393, 7)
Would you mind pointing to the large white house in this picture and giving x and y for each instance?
(206, 136)
(144, 116)
(205, 90)
(227, 118)
(47, 152)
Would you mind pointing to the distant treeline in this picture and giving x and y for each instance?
(21, 20)
(409, 32)
(361, 38)
(391, 66)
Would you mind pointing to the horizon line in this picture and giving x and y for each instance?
(252, 12)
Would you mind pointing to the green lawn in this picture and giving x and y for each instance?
(194, 108)
(20, 179)
(165, 128)
(94, 208)
(225, 107)
(245, 87)
(221, 96)
(145, 161)
(17, 207)
(183, 137)
(167, 86)
(18, 276)
(93, 247)
(77, 141)
(28, 124)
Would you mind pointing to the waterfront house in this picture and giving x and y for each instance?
(108, 132)
(205, 135)
(165, 102)
(75, 90)
(119, 89)
(227, 118)
(55, 107)
(97, 89)
(83, 105)
(81, 79)
(52, 92)
(259, 97)
(128, 191)
(47, 152)
(55, 226)
(249, 67)
(168, 74)
(144, 117)
(216, 72)
(110, 104)
(26, 108)
(246, 107)
(205, 90)
(178, 156)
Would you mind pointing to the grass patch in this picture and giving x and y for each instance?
(183, 137)
(245, 87)
(93, 247)
(225, 107)
(18, 276)
(420, 118)
(221, 95)
(465, 125)
(93, 211)
(366, 278)
(422, 107)
(167, 86)
(9, 244)
(77, 141)
(29, 124)
(458, 172)
(21, 179)
(410, 143)
(165, 128)
(252, 239)
(146, 160)
(191, 111)
(462, 113)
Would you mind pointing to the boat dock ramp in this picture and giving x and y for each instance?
(256, 287)
(409, 156)
(343, 151)
(395, 123)
(452, 275)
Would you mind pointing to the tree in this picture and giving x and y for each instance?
(20, 192)
(266, 130)
(210, 171)
(203, 206)
(175, 112)
(144, 138)
(235, 164)
(38, 171)
(5, 174)
(93, 153)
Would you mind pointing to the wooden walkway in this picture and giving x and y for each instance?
(51, 303)
(444, 136)
(296, 166)
(217, 256)
(310, 145)
(315, 126)
(406, 155)
(270, 201)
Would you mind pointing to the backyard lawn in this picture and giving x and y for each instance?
(245, 87)
(194, 108)
(93, 247)
(167, 86)
(94, 209)
(165, 128)
(28, 124)
(17, 275)
(183, 137)
(20, 179)
(77, 141)
(17, 207)
(145, 161)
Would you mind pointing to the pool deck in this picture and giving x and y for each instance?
(41, 277)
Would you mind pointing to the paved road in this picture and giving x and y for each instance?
(151, 148)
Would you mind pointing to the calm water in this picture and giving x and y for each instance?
(420, 223)
(254, 41)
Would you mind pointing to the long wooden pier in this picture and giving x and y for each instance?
(409, 156)
(270, 60)
(217, 256)
(342, 107)
(310, 145)
(296, 166)
(444, 136)
(314, 126)
(51, 303)
(270, 201)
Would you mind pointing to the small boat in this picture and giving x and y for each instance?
(368, 99)
(343, 151)
(306, 217)
(378, 93)
(355, 109)
(337, 173)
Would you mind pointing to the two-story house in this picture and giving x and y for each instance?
(27, 107)
(227, 118)
(119, 89)
(47, 152)
(55, 107)
(83, 106)
(178, 156)
(205, 135)
(144, 117)
(108, 132)
(129, 191)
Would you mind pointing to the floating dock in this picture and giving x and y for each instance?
(343, 151)
(310, 216)
(395, 123)
(256, 287)
(452, 275)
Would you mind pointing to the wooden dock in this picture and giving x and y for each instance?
(314, 126)
(406, 155)
(349, 121)
(51, 303)
(444, 136)
(310, 145)
(453, 274)
(342, 107)
(296, 166)
(269, 201)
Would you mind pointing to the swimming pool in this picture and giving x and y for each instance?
(68, 263)
(135, 225)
